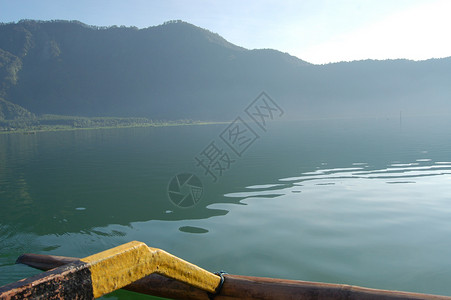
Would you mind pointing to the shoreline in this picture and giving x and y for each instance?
(56, 128)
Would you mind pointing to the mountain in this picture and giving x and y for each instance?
(180, 71)
(11, 111)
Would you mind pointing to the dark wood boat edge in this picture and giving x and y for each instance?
(239, 286)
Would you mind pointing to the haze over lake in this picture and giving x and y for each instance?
(362, 201)
(251, 161)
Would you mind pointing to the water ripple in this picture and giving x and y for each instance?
(394, 174)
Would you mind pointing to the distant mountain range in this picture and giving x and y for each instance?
(180, 71)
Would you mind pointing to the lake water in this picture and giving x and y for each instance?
(362, 202)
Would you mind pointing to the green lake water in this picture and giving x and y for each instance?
(360, 202)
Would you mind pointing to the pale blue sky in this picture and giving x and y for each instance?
(318, 31)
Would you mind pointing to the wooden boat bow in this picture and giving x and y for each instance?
(191, 287)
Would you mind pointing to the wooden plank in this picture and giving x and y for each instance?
(242, 287)
(72, 281)
(104, 272)
(154, 284)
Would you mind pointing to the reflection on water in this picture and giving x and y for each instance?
(359, 179)
(73, 181)
(192, 229)
(363, 224)
(365, 204)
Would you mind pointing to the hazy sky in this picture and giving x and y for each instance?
(318, 31)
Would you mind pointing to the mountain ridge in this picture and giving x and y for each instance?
(11, 111)
(178, 70)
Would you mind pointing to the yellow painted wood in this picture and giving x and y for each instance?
(120, 266)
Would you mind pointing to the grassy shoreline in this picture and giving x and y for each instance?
(50, 123)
